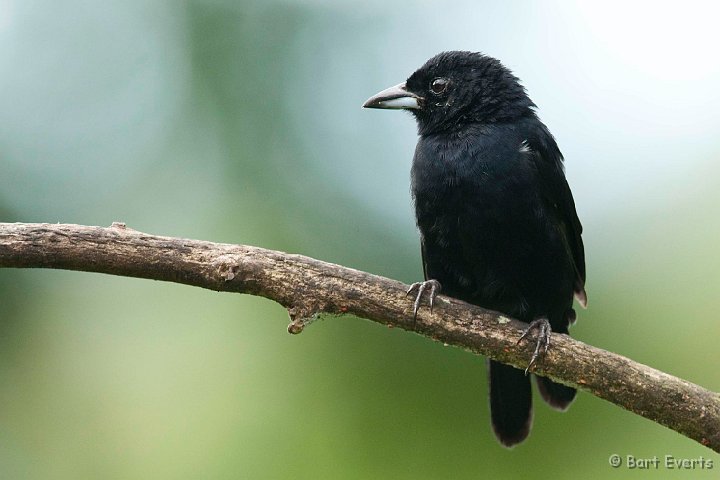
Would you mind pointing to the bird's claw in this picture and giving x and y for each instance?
(542, 325)
(421, 288)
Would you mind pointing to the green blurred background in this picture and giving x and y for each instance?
(240, 121)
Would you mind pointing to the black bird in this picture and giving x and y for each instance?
(497, 220)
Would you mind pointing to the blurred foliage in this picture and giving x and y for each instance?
(240, 122)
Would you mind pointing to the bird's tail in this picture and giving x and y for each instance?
(556, 395)
(510, 403)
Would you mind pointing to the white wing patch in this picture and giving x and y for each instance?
(524, 147)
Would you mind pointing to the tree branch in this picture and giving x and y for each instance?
(307, 287)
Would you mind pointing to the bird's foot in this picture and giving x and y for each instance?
(433, 287)
(542, 325)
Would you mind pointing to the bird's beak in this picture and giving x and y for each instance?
(395, 98)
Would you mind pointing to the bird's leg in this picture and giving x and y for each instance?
(421, 287)
(542, 325)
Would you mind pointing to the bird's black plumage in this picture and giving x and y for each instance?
(496, 216)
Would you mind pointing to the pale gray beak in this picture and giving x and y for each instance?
(395, 98)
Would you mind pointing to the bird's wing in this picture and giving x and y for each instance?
(557, 192)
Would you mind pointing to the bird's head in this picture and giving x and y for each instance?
(456, 88)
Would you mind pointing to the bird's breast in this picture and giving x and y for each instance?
(485, 227)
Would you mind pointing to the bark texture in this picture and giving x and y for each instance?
(307, 287)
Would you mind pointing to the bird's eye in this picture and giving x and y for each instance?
(438, 85)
